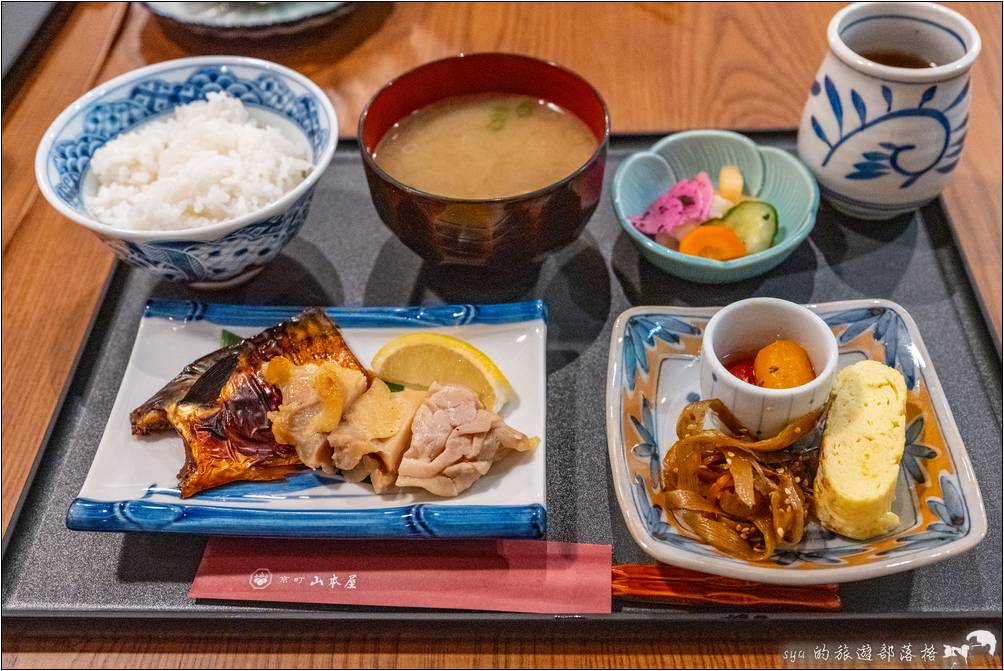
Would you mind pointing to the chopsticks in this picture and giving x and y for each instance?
(660, 583)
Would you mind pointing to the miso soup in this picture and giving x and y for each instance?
(485, 146)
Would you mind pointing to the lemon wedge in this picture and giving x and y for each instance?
(419, 359)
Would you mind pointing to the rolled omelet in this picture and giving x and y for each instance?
(862, 445)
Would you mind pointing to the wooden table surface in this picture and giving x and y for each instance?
(659, 67)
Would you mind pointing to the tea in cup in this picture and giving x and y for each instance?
(887, 113)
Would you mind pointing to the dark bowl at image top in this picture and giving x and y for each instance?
(498, 233)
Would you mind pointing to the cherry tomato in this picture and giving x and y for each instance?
(744, 370)
(783, 364)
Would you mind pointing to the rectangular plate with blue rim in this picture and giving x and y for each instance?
(653, 374)
(132, 484)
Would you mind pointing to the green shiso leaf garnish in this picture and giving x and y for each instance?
(229, 338)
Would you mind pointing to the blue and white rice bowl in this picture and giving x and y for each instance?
(220, 254)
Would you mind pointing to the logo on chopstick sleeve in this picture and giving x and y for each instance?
(260, 579)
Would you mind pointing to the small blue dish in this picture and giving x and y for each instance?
(770, 174)
(215, 256)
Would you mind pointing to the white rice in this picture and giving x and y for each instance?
(208, 163)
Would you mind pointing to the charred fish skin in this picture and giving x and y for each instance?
(230, 437)
(151, 416)
(222, 413)
(310, 337)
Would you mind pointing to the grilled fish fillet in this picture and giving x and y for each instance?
(220, 403)
(151, 417)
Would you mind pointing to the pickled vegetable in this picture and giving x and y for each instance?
(743, 369)
(730, 183)
(755, 223)
(713, 242)
(783, 364)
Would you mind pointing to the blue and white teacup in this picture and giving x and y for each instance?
(884, 140)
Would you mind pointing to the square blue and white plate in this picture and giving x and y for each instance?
(653, 374)
(132, 485)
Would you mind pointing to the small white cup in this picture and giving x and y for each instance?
(748, 325)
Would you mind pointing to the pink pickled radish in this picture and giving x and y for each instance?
(686, 201)
(664, 214)
(695, 194)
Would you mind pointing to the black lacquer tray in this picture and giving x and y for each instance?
(345, 256)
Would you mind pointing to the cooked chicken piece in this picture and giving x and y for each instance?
(379, 424)
(314, 396)
(455, 441)
(346, 445)
(334, 420)
(375, 454)
(371, 467)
